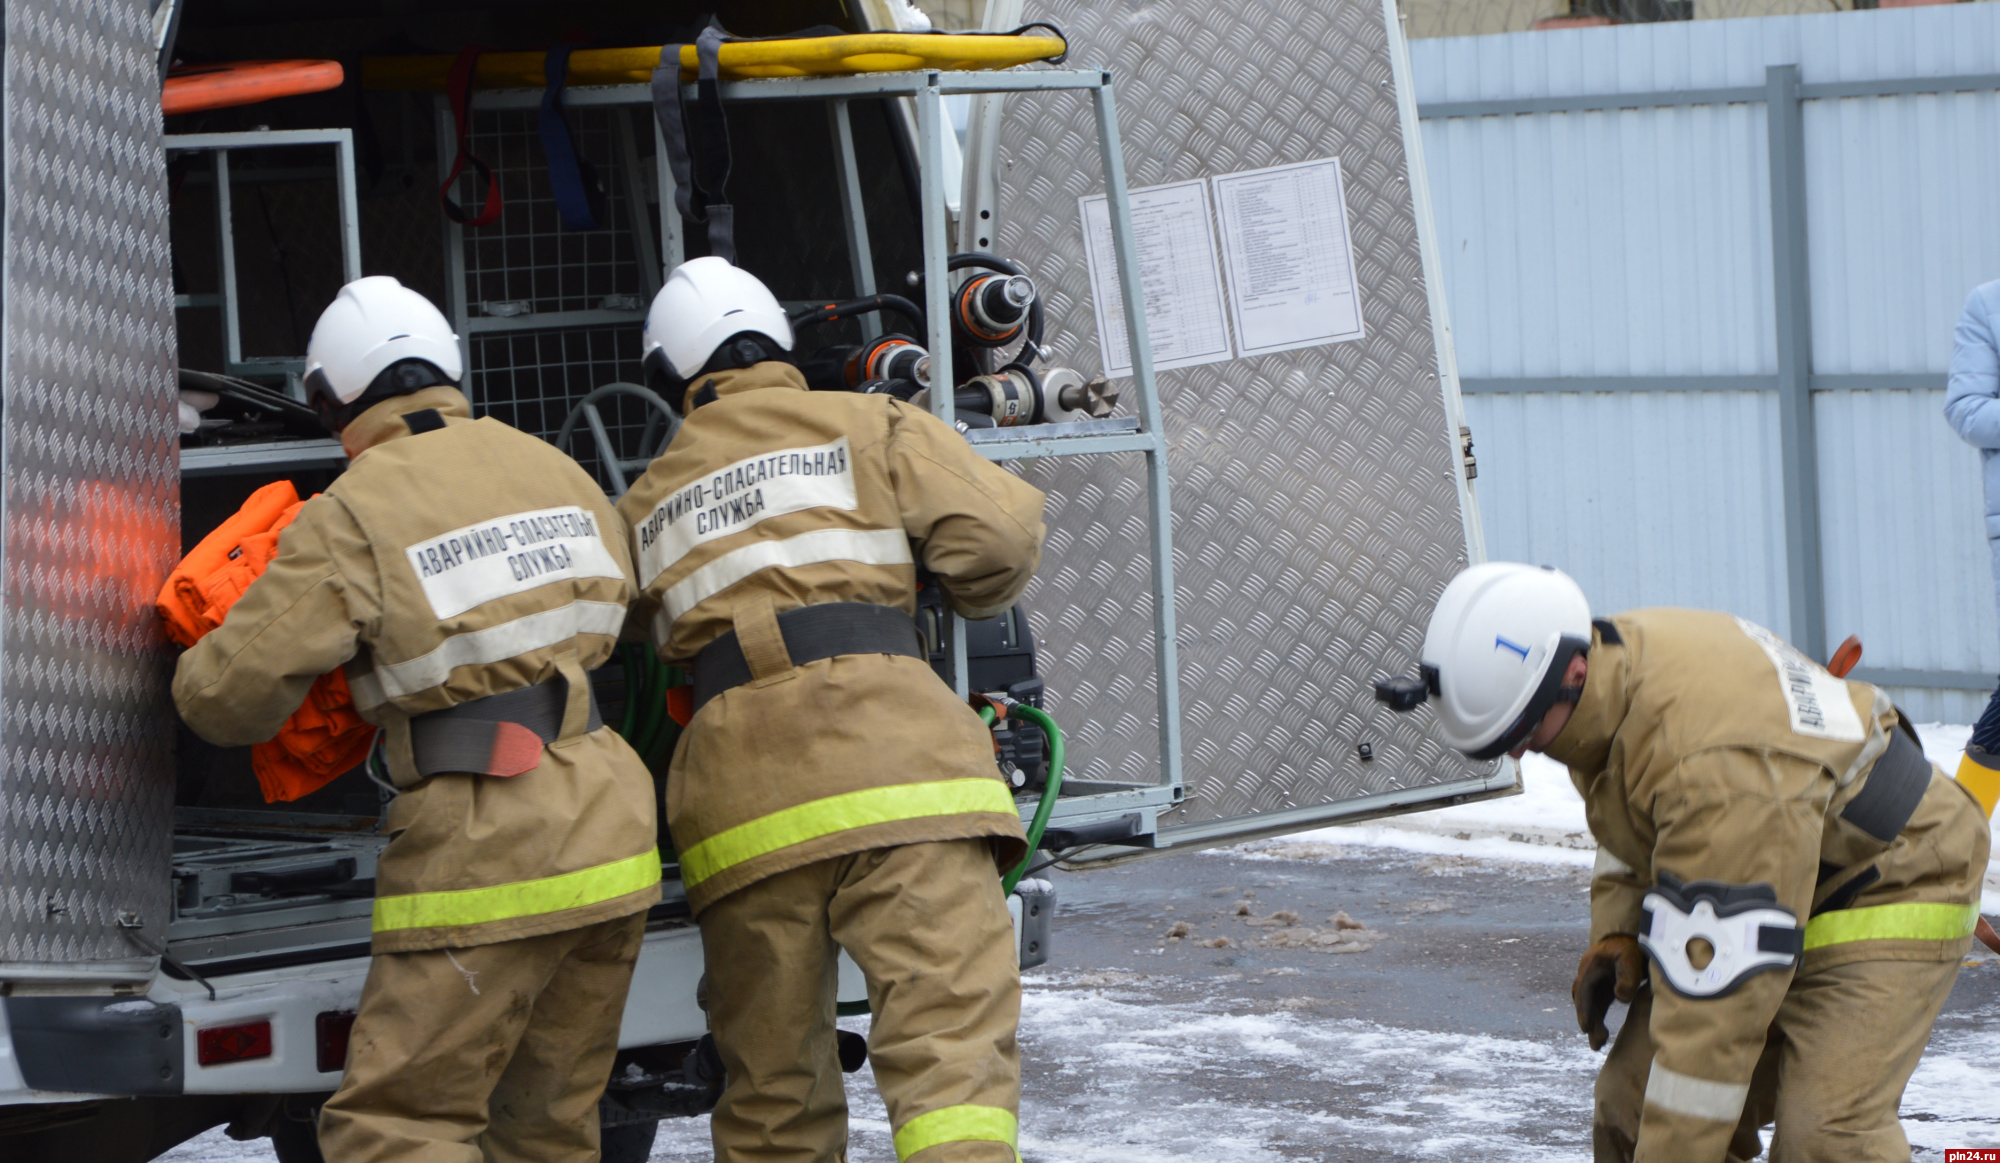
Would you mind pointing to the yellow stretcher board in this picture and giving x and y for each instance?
(869, 52)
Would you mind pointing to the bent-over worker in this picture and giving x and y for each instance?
(830, 792)
(467, 576)
(1774, 852)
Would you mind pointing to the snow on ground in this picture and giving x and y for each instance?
(1130, 1078)
(213, 1146)
(1950, 1100)
(1140, 1078)
(1544, 824)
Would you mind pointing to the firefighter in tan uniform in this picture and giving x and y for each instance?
(830, 793)
(467, 576)
(1784, 887)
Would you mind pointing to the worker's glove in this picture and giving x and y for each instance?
(1612, 968)
(192, 405)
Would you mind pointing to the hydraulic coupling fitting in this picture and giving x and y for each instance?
(989, 310)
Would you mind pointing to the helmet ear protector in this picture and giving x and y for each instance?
(398, 379)
(1548, 693)
(741, 350)
(1407, 694)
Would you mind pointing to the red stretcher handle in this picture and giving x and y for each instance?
(193, 88)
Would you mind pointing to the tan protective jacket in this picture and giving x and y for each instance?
(443, 567)
(771, 498)
(1706, 748)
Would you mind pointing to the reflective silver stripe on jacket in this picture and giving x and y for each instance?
(493, 644)
(866, 546)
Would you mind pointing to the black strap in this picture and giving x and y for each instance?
(699, 201)
(427, 420)
(1790, 941)
(1844, 896)
(461, 738)
(1896, 785)
(811, 633)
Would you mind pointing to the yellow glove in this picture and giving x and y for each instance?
(1980, 773)
(1612, 968)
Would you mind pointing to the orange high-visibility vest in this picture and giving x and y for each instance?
(326, 736)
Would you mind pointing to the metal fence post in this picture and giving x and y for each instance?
(860, 255)
(1792, 297)
(931, 128)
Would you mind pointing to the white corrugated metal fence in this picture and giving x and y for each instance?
(1621, 331)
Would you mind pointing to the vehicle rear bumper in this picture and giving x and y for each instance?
(64, 1048)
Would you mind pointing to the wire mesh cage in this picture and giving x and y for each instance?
(527, 262)
(550, 313)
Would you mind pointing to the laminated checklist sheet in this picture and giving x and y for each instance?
(1289, 257)
(1177, 274)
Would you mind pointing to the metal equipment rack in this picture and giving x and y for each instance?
(291, 454)
(536, 307)
(927, 90)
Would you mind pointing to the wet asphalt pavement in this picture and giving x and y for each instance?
(1443, 1029)
(1456, 946)
(1448, 1033)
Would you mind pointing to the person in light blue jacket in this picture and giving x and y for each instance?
(1972, 404)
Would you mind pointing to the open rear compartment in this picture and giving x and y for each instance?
(1322, 491)
(274, 206)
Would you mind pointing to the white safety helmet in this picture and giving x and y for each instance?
(371, 325)
(704, 302)
(1498, 646)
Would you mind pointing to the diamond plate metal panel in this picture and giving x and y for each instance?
(92, 491)
(1316, 512)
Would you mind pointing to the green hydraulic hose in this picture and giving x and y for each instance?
(646, 683)
(634, 688)
(653, 702)
(657, 720)
(1049, 790)
(647, 699)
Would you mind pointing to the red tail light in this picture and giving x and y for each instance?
(330, 1031)
(233, 1043)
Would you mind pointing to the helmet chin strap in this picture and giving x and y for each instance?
(401, 378)
(745, 349)
(1551, 691)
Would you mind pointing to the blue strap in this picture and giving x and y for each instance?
(572, 179)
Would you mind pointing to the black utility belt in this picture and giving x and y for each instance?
(811, 633)
(498, 735)
(1896, 785)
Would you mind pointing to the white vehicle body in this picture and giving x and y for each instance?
(1329, 483)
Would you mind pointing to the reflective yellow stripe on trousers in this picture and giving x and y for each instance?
(525, 898)
(1911, 922)
(957, 1124)
(855, 809)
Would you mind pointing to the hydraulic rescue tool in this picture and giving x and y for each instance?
(996, 307)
